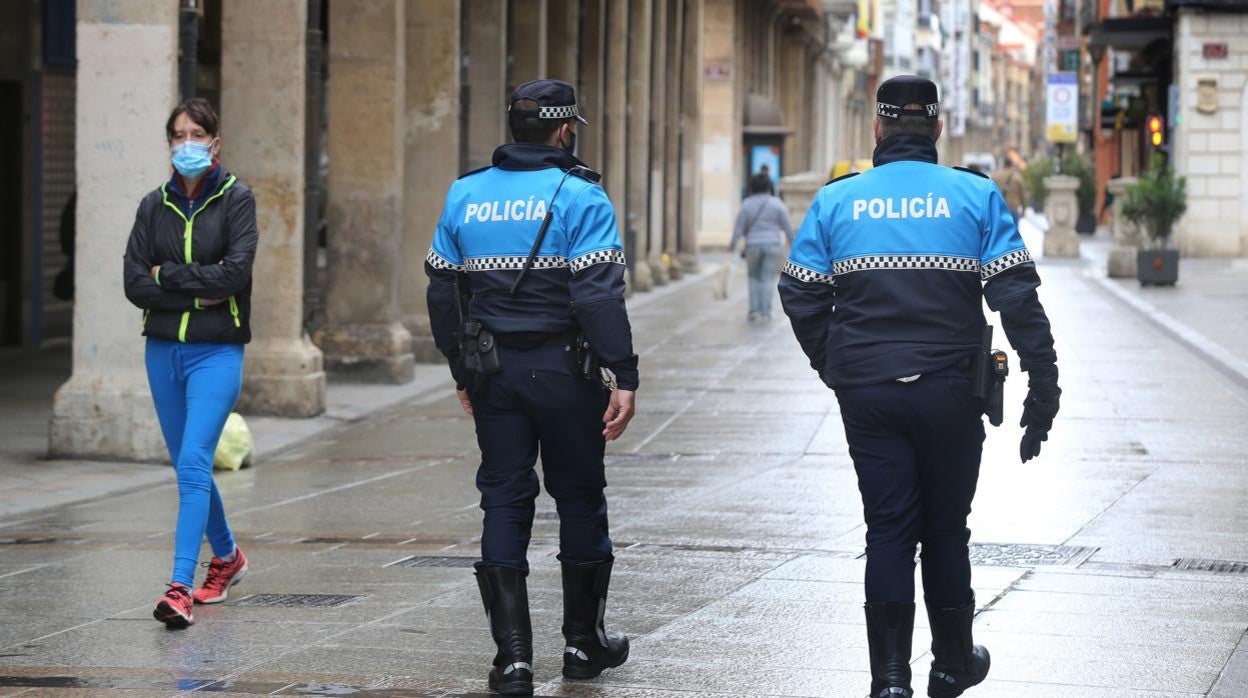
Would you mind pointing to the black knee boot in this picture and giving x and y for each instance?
(890, 628)
(590, 648)
(506, 599)
(957, 663)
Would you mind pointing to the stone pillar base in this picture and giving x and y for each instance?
(661, 275)
(423, 349)
(283, 378)
(689, 263)
(1123, 261)
(106, 417)
(1061, 244)
(373, 353)
(643, 276)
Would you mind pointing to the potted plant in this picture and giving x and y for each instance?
(1154, 204)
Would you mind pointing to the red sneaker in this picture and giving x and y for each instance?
(174, 608)
(222, 576)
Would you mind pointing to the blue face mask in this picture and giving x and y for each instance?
(192, 159)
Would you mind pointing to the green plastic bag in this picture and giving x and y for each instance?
(236, 445)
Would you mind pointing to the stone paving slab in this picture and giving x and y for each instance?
(738, 532)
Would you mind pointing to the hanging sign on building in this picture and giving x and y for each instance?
(1062, 108)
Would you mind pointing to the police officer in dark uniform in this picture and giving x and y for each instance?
(526, 300)
(884, 287)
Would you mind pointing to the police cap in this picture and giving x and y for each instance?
(556, 100)
(895, 93)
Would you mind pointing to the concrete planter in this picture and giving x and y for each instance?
(1157, 267)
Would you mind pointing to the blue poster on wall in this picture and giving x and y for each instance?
(766, 158)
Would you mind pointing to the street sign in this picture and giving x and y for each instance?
(1214, 51)
(1062, 108)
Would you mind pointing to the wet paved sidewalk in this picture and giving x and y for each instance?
(738, 529)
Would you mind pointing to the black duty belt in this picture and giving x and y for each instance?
(532, 340)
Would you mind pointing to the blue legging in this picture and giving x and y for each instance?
(194, 387)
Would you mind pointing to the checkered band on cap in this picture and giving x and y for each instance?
(597, 257)
(808, 275)
(511, 263)
(892, 111)
(1005, 261)
(567, 112)
(906, 261)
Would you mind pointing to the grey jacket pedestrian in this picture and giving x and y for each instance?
(763, 220)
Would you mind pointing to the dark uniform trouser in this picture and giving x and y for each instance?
(916, 448)
(536, 403)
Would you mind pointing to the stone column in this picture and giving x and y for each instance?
(658, 141)
(487, 80)
(263, 84)
(563, 40)
(528, 42)
(671, 129)
(690, 136)
(431, 153)
(1062, 208)
(638, 110)
(590, 92)
(126, 47)
(614, 121)
(1122, 256)
(721, 125)
(363, 337)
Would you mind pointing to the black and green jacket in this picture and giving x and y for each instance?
(204, 249)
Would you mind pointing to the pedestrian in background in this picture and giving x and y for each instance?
(763, 222)
(188, 266)
(885, 286)
(1010, 181)
(526, 299)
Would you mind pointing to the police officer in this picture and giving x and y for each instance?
(884, 288)
(525, 271)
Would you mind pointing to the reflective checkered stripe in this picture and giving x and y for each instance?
(598, 257)
(557, 112)
(1005, 261)
(437, 261)
(808, 275)
(906, 261)
(513, 263)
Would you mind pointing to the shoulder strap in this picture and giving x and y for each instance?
(977, 173)
(541, 232)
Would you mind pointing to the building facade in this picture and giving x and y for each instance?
(349, 120)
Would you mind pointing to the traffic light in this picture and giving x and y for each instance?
(1156, 128)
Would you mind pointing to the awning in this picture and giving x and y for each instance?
(763, 117)
(1130, 33)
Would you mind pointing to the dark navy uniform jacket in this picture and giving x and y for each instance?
(889, 270)
(489, 223)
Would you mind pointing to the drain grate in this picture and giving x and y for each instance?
(546, 516)
(1027, 555)
(434, 561)
(298, 600)
(1196, 564)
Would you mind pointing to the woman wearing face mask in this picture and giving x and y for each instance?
(188, 267)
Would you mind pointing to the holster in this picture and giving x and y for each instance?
(584, 361)
(478, 354)
(990, 367)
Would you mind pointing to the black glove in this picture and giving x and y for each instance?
(1039, 409)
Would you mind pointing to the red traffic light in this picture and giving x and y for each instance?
(1155, 127)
